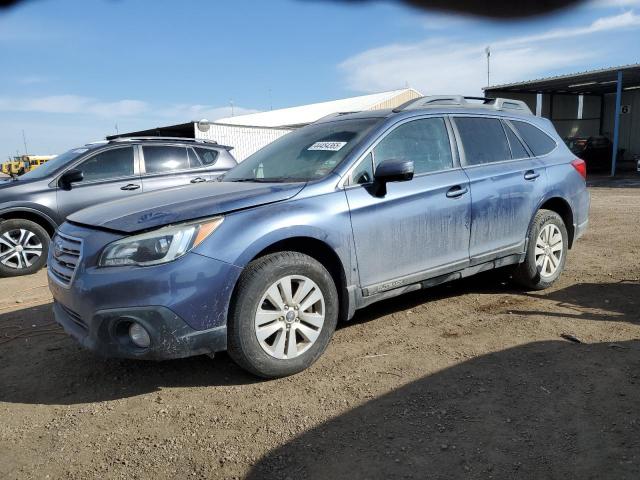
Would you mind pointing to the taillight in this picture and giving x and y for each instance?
(580, 166)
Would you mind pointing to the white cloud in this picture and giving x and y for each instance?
(440, 65)
(198, 112)
(76, 104)
(73, 104)
(614, 3)
(616, 22)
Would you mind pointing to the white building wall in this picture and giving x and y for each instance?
(244, 140)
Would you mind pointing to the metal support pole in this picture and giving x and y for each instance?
(616, 124)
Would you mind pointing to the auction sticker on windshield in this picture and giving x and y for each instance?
(327, 146)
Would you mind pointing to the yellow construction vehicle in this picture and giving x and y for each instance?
(15, 167)
(24, 164)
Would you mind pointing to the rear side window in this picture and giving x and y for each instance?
(207, 156)
(114, 163)
(539, 142)
(159, 159)
(517, 149)
(483, 139)
(425, 142)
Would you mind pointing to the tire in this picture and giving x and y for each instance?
(24, 246)
(254, 311)
(542, 266)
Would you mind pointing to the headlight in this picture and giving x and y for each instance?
(159, 246)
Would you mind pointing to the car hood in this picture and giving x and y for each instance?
(180, 204)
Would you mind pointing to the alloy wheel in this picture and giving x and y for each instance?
(290, 317)
(19, 248)
(549, 250)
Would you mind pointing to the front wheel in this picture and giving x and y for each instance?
(283, 314)
(546, 252)
(24, 246)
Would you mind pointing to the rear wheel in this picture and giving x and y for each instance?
(24, 246)
(283, 316)
(546, 252)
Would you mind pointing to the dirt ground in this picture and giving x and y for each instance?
(467, 380)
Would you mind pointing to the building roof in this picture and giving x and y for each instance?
(305, 114)
(590, 82)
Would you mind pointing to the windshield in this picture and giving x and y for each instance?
(309, 153)
(55, 164)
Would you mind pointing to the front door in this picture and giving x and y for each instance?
(420, 228)
(107, 175)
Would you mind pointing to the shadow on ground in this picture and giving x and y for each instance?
(611, 302)
(541, 410)
(47, 367)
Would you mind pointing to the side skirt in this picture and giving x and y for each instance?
(363, 298)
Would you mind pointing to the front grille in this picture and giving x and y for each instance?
(66, 253)
(74, 317)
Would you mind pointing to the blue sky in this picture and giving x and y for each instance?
(74, 69)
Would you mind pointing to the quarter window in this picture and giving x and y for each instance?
(114, 163)
(424, 141)
(483, 139)
(363, 173)
(207, 156)
(517, 149)
(160, 159)
(539, 142)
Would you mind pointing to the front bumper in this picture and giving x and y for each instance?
(182, 304)
(106, 333)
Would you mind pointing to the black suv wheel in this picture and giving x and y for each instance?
(24, 246)
(284, 314)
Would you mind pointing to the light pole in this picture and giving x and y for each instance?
(487, 50)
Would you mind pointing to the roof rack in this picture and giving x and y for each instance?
(174, 139)
(462, 101)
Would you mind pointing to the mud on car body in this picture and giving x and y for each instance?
(328, 219)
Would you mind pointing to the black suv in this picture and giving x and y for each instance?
(33, 205)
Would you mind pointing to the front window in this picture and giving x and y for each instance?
(114, 163)
(309, 153)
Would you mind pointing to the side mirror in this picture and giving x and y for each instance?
(70, 176)
(391, 171)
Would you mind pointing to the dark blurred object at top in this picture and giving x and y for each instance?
(486, 8)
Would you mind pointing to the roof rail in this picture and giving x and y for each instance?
(335, 114)
(174, 139)
(462, 101)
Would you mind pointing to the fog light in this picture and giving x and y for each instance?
(139, 335)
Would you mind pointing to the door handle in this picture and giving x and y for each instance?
(198, 180)
(131, 186)
(457, 191)
(531, 175)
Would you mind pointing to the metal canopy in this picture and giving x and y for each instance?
(594, 82)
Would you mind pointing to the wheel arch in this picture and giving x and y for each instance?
(32, 215)
(563, 208)
(319, 251)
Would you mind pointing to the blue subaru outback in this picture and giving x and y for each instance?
(352, 209)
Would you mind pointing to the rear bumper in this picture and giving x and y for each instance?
(106, 333)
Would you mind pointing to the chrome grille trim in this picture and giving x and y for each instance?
(62, 269)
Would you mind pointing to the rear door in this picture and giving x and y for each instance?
(506, 181)
(420, 228)
(166, 166)
(108, 175)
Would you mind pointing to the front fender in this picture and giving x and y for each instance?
(244, 234)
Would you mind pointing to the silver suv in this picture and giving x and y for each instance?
(33, 205)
